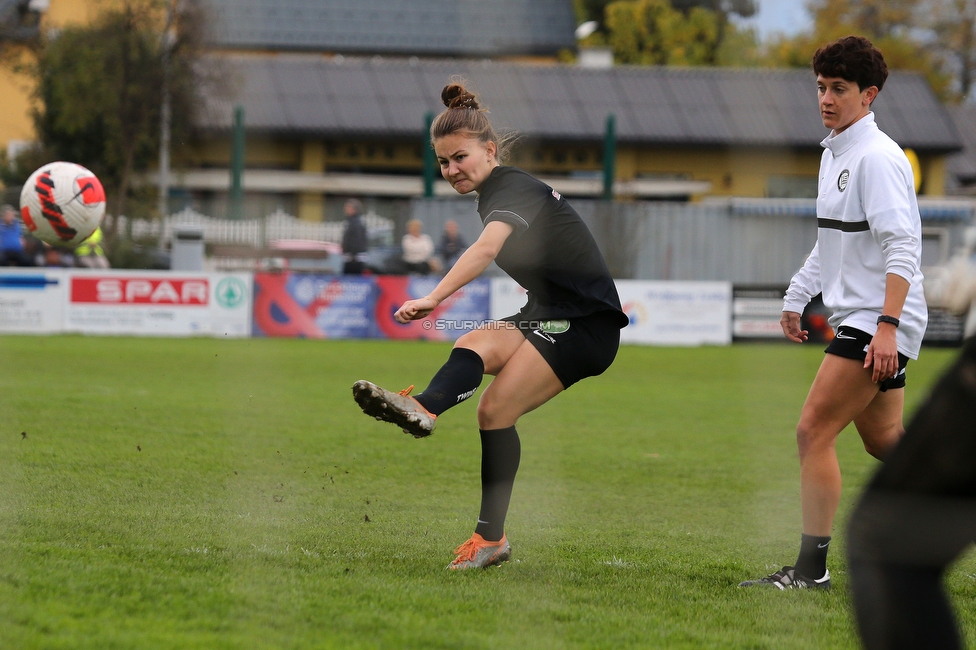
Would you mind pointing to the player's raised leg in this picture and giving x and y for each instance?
(479, 352)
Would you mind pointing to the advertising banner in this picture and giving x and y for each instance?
(507, 297)
(325, 306)
(32, 301)
(676, 313)
(158, 303)
(756, 312)
(313, 306)
(462, 312)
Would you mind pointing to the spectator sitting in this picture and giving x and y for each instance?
(52, 257)
(452, 244)
(355, 239)
(418, 250)
(90, 254)
(11, 239)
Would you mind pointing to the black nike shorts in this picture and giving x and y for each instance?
(852, 343)
(575, 348)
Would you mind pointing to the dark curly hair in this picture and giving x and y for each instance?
(853, 58)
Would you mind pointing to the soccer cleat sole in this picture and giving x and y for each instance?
(376, 402)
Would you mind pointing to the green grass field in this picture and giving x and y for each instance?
(202, 493)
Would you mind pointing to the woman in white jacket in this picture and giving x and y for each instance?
(866, 264)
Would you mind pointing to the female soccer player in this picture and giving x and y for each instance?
(568, 329)
(866, 263)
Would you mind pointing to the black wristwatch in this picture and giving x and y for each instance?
(888, 319)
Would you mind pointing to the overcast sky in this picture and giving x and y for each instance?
(783, 16)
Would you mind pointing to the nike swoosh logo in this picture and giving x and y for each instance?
(544, 335)
(823, 545)
(845, 336)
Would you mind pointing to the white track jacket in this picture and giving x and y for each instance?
(869, 226)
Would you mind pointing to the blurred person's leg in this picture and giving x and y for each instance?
(915, 517)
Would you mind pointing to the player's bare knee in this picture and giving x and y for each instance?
(811, 439)
(486, 411)
(470, 340)
(879, 444)
(492, 413)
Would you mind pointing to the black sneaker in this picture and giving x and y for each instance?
(788, 578)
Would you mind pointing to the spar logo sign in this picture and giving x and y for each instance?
(121, 290)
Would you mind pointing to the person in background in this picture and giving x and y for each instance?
(90, 254)
(55, 258)
(418, 250)
(355, 239)
(452, 244)
(12, 251)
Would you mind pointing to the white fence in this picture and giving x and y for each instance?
(254, 232)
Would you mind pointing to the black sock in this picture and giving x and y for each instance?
(456, 381)
(500, 454)
(812, 562)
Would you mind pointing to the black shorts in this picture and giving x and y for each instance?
(852, 343)
(575, 348)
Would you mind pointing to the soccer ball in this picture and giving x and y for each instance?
(62, 204)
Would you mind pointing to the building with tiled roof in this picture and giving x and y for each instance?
(680, 132)
(463, 28)
(335, 94)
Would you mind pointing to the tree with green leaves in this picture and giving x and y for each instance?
(650, 32)
(99, 90)
(596, 9)
(671, 32)
(952, 25)
(894, 26)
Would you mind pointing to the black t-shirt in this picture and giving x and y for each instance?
(551, 252)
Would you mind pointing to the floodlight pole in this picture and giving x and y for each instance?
(167, 41)
(237, 165)
(430, 164)
(609, 157)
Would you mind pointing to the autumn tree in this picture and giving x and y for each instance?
(596, 9)
(674, 32)
(952, 33)
(655, 32)
(894, 26)
(98, 90)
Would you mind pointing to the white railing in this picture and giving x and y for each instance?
(254, 232)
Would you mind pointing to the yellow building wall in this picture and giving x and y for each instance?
(933, 176)
(15, 120)
(16, 89)
(739, 171)
(735, 171)
(259, 153)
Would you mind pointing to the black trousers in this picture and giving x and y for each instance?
(915, 517)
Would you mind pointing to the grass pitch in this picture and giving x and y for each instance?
(199, 493)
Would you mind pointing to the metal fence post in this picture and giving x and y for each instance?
(430, 162)
(609, 157)
(237, 165)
